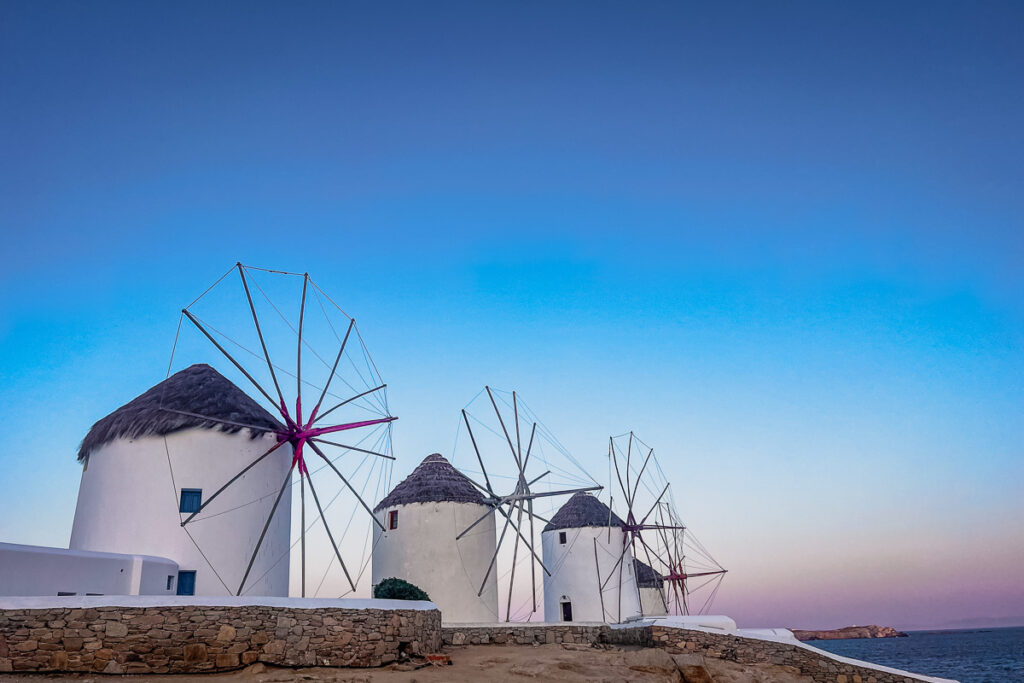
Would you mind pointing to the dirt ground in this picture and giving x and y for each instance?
(470, 664)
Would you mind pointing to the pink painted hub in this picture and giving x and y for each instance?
(297, 434)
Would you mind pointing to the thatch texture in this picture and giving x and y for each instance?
(646, 577)
(580, 511)
(433, 481)
(197, 389)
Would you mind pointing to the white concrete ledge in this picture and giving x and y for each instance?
(716, 621)
(91, 601)
(520, 624)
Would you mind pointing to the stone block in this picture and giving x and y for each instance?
(58, 660)
(116, 629)
(194, 653)
(73, 644)
(225, 661)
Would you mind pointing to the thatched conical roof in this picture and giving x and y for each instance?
(580, 511)
(197, 389)
(646, 577)
(433, 481)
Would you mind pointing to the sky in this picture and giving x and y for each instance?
(782, 242)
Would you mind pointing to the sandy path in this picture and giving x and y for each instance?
(540, 664)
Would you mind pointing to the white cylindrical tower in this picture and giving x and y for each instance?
(150, 463)
(582, 545)
(652, 590)
(421, 517)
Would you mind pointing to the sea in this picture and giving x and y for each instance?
(981, 655)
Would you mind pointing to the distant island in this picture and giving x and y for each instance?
(850, 632)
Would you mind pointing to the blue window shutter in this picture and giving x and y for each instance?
(187, 582)
(191, 500)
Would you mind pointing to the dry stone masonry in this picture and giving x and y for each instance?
(818, 667)
(194, 638)
(524, 634)
(197, 638)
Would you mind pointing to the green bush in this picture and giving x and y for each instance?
(397, 589)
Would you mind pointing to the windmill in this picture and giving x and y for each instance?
(652, 529)
(512, 447)
(684, 559)
(325, 396)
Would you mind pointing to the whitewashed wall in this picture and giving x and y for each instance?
(128, 503)
(423, 551)
(28, 570)
(574, 575)
(651, 601)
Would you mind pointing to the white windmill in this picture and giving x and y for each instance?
(200, 472)
(663, 551)
(415, 540)
(523, 467)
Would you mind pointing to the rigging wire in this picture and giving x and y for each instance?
(307, 344)
(232, 268)
(287, 373)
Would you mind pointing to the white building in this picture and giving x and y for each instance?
(422, 516)
(151, 463)
(32, 570)
(582, 545)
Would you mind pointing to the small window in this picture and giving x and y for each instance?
(170, 581)
(561, 537)
(94, 593)
(191, 500)
(187, 583)
(65, 593)
(393, 519)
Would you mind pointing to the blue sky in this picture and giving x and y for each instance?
(782, 242)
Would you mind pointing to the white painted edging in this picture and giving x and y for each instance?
(772, 635)
(83, 601)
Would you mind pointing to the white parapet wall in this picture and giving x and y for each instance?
(717, 621)
(82, 602)
(129, 499)
(29, 570)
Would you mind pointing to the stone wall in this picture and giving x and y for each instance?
(195, 638)
(523, 634)
(192, 638)
(816, 665)
(819, 667)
